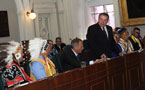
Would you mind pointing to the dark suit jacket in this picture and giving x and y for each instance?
(135, 44)
(99, 43)
(61, 47)
(69, 60)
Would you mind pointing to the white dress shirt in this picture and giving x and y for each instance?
(74, 53)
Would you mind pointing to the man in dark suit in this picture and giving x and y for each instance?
(135, 41)
(100, 39)
(70, 58)
(59, 46)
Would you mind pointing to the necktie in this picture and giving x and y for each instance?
(104, 32)
(78, 57)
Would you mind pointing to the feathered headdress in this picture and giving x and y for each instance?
(36, 47)
(13, 49)
(26, 56)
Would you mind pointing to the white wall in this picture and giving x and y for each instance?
(65, 17)
(99, 2)
(10, 7)
(79, 18)
(73, 20)
(46, 18)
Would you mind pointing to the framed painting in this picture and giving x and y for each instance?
(132, 12)
(4, 25)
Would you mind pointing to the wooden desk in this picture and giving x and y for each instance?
(116, 74)
(133, 71)
(122, 73)
(96, 77)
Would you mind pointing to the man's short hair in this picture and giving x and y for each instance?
(136, 28)
(58, 38)
(49, 41)
(104, 14)
(75, 42)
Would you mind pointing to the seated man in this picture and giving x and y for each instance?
(126, 46)
(41, 66)
(54, 51)
(12, 74)
(70, 59)
(136, 42)
(59, 46)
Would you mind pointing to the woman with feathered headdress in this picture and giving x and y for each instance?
(12, 74)
(41, 66)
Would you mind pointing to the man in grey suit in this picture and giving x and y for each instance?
(70, 58)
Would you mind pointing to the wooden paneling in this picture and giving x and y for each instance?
(46, 84)
(116, 74)
(133, 71)
(63, 81)
(70, 80)
(96, 77)
(78, 81)
(142, 65)
(122, 73)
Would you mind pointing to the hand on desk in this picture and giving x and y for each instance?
(103, 56)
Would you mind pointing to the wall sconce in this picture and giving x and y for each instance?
(31, 14)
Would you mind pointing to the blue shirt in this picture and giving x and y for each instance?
(115, 54)
(38, 70)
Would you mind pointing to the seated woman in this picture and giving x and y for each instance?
(12, 73)
(116, 38)
(41, 66)
(126, 46)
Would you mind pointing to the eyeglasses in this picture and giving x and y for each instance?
(138, 33)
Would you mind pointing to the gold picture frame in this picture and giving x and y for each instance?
(125, 20)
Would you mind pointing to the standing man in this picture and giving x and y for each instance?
(100, 39)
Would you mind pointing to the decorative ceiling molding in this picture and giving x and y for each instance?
(45, 8)
(44, 5)
(45, 1)
(48, 6)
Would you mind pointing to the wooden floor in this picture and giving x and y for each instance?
(122, 73)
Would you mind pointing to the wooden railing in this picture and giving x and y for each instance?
(122, 73)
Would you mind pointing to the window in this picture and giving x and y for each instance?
(96, 10)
